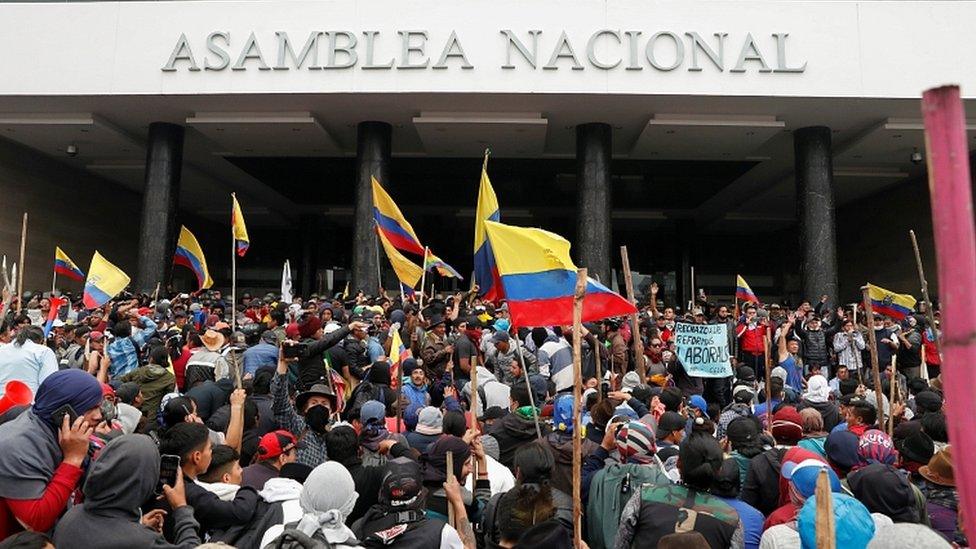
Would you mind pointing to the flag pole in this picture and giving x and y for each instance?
(929, 313)
(528, 385)
(450, 475)
(233, 268)
(23, 269)
(423, 279)
(474, 414)
(54, 283)
(950, 188)
(578, 395)
(635, 338)
(873, 348)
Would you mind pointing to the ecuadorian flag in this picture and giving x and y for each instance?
(190, 255)
(408, 272)
(539, 279)
(104, 282)
(743, 292)
(391, 223)
(64, 266)
(398, 353)
(485, 271)
(241, 241)
(890, 304)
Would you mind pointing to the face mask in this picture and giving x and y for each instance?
(317, 418)
(109, 411)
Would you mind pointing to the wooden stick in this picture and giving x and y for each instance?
(423, 279)
(873, 347)
(578, 395)
(635, 338)
(891, 399)
(23, 268)
(474, 416)
(769, 374)
(450, 475)
(950, 189)
(929, 313)
(233, 271)
(528, 385)
(824, 522)
(599, 370)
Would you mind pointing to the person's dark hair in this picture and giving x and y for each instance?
(699, 460)
(342, 442)
(122, 328)
(934, 425)
(776, 387)
(672, 398)
(867, 413)
(33, 333)
(454, 423)
(750, 446)
(278, 316)
(916, 385)
(27, 540)
(726, 484)
(520, 394)
(159, 356)
(262, 381)
(848, 386)
(184, 438)
(683, 540)
(533, 463)
(223, 461)
(251, 413)
(530, 502)
(176, 410)
(601, 413)
(81, 330)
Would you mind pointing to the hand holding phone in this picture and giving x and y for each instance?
(169, 472)
(73, 438)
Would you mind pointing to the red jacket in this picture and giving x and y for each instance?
(751, 340)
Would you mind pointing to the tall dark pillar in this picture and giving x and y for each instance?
(815, 211)
(311, 231)
(372, 160)
(157, 228)
(685, 259)
(593, 153)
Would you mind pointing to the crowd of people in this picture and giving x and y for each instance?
(195, 421)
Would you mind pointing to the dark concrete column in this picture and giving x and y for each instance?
(815, 212)
(685, 259)
(593, 153)
(158, 226)
(310, 226)
(372, 160)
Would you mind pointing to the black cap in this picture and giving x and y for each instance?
(402, 484)
(669, 422)
(917, 447)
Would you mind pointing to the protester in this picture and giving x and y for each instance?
(27, 360)
(275, 450)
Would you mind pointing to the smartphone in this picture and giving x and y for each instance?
(57, 418)
(169, 467)
(295, 351)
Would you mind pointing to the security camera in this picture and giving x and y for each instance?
(916, 157)
(71, 150)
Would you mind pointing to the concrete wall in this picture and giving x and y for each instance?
(66, 207)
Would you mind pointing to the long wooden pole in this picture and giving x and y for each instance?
(23, 267)
(599, 369)
(578, 395)
(873, 348)
(891, 399)
(450, 474)
(769, 376)
(423, 280)
(233, 270)
(528, 385)
(635, 338)
(950, 190)
(929, 313)
(824, 522)
(474, 413)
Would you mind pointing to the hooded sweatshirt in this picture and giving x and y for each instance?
(120, 480)
(512, 432)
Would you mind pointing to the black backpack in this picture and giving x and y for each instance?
(292, 538)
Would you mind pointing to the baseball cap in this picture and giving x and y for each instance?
(669, 422)
(499, 337)
(698, 402)
(275, 443)
(804, 475)
(372, 412)
(96, 336)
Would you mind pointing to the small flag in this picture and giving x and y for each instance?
(64, 266)
(435, 263)
(56, 303)
(743, 292)
(398, 353)
(407, 291)
(345, 292)
(286, 296)
(241, 242)
(890, 304)
(539, 279)
(190, 255)
(485, 271)
(407, 271)
(104, 282)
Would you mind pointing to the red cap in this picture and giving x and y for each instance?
(143, 311)
(291, 332)
(275, 443)
(107, 390)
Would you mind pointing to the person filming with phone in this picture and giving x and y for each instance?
(46, 451)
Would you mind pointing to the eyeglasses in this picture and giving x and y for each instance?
(655, 344)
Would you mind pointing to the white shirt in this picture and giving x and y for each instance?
(30, 363)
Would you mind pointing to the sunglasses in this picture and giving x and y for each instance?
(655, 344)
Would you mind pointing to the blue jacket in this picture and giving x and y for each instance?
(418, 395)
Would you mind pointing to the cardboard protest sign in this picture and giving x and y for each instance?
(703, 349)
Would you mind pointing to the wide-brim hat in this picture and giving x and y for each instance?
(939, 470)
(435, 321)
(213, 340)
(319, 389)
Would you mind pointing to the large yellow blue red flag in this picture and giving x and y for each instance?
(539, 279)
(890, 304)
(64, 266)
(241, 241)
(398, 353)
(104, 282)
(485, 271)
(391, 223)
(190, 255)
(407, 271)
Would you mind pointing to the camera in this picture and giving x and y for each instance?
(71, 150)
(916, 157)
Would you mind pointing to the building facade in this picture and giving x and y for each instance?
(777, 139)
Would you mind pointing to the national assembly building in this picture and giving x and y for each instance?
(780, 140)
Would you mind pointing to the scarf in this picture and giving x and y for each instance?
(943, 496)
(372, 436)
(328, 496)
(527, 412)
(474, 334)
